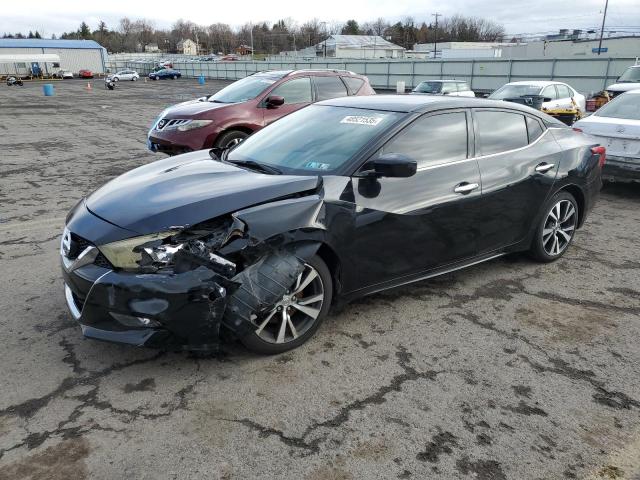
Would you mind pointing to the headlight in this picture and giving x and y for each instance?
(194, 124)
(122, 255)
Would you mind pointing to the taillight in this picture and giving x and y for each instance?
(576, 129)
(600, 150)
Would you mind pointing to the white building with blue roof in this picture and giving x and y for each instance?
(74, 55)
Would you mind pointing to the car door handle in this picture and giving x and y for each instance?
(544, 167)
(465, 187)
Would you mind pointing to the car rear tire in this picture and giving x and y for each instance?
(294, 313)
(134, 79)
(175, 77)
(556, 229)
(231, 138)
(116, 79)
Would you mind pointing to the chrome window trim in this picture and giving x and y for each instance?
(479, 157)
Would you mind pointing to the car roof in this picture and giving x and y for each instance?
(540, 83)
(421, 103)
(443, 81)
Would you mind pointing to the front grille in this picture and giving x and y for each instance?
(171, 123)
(80, 245)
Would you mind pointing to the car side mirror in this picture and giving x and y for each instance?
(393, 165)
(274, 101)
(546, 99)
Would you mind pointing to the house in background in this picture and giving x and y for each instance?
(358, 46)
(244, 50)
(187, 47)
(151, 48)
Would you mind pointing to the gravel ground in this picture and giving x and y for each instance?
(507, 370)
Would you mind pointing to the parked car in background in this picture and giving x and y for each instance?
(125, 75)
(554, 98)
(165, 73)
(338, 200)
(232, 57)
(64, 74)
(165, 64)
(85, 74)
(629, 80)
(616, 125)
(232, 114)
(455, 88)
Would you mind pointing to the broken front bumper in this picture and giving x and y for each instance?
(166, 310)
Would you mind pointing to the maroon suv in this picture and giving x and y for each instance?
(238, 110)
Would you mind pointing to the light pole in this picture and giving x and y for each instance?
(251, 25)
(435, 35)
(604, 17)
(324, 44)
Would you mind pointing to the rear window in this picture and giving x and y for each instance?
(500, 131)
(330, 87)
(625, 106)
(353, 83)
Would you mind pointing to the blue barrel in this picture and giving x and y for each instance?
(201, 79)
(47, 88)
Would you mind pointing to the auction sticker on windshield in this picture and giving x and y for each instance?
(361, 120)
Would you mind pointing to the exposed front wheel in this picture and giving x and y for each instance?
(293, 316)
(230, 139)
(557, 228)
(175, 77)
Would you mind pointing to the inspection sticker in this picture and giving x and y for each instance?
(361, 120)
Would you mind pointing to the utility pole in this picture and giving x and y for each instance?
(435, 35)
(251, 25)
(604, 17)
(324, 44)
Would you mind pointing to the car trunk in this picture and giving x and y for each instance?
(620, 137)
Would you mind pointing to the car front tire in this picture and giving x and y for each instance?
(556, 229)
(295, 315)
(231, 138)
(116, 79)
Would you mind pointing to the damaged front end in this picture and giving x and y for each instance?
(175, 289)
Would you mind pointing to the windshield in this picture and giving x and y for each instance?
(514, 91)
(316, 139)
(243, 90)
(625, 106)
(631, 75)
(428, 87)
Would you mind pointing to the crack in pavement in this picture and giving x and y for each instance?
(378, 397)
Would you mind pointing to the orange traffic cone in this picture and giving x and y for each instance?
(88, 86)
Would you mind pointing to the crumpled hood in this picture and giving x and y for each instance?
(193, 108)
(185, 190)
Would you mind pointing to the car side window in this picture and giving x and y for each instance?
(563, 91)
(297, 90)
(329, 87)
(354, 84)
(449, 87)
(500, 131)
(550, 92)
(432, 140)
(463, 87)
(534, 129)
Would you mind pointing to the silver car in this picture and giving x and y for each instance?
(125, 75)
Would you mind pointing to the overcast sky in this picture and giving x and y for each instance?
(520, 16)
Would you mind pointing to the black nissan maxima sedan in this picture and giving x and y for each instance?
(341, 199)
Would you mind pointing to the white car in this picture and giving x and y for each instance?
(629, 80)
(63, 74)
(616, 125)
(557, 95)
(455, 88)
(125, 75)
